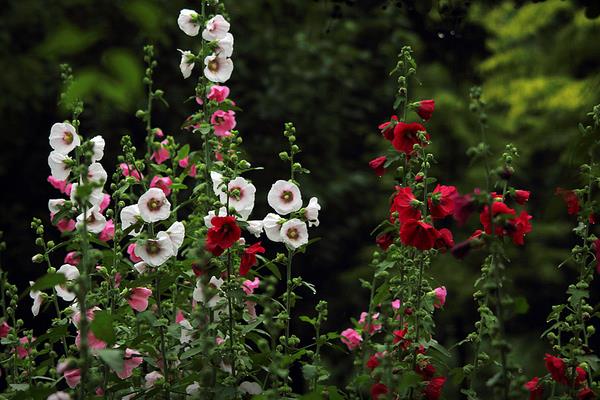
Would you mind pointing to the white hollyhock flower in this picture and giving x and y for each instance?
(272, 227)
(186, 65)
(216, 28)
(96, 195)
(63, 138)
(154, 205)
(155, 252)
(284, 197)
(99, 145)
(94, 221)
(294, 233)
(97, 173)
(251, 388)
(129, 216)
(36, 295)
(186, 331)
(60, 395)
(217, 182)
(241, 196)
(58, 167)
(176, 233)
(199, 296)
(54, 205)
(218, 69)
(188, 22)
(71, 273)
(212, 214)
(225, 46)
(140, 267)
(255, 227)
(311, 212)
(192, 389)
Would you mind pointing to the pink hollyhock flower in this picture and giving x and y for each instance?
(351, 338)
(161, 154)
(132, 256)
(396, 304)
(158, 133)
(65, 225)
(151, 378)
(193, 171)
(250, 286)
(99, 391)
(440, 296)
(163, 184)
(23, 351)
(132, 360)
(104, 203)
(118, 279)
(218, 93)
(219, 340)
(5, 329)
(184, 162)
(72, 258)
(60, 395)
(127, 170)
(377, 164)
(60, 185)
(108, 233)
(425, 109)
(373, 326)
(251, 308)
(138, 298)
(93, 342)
(223, 122)
(72, 377)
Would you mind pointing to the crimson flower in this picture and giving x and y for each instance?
(377, 390)
(522, 196)
(586, 394)
(418, 234)
(406, 204)
(405, 136)
(520, 227)
(444, 240)
(498, 208)
(223, 234)
(387, 128)
(384, 240)
(425, 109)
(536, 391)
(441, 203)
(377, 165)
(373, 361)
(557, 368)
(248, 259)
(433, 390)
(571, 199)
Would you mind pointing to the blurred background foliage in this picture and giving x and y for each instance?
(324, 65)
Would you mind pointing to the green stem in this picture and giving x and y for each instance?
(288, 295)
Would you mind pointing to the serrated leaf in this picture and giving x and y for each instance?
(112, 357)
(102, 327)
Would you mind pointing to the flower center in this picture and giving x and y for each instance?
(152, 247)
(292, 233)
(236, 193)
(68, 137)
(213, 66)
(154, 204)
(91, 219)
(287, 196)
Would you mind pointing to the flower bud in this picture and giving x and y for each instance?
(38, 258)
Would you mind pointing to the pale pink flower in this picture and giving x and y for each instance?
(71, 273)
(163, 184)
(311, 212)
(440, 296)
(23, 351)
(104, 203)
(130, 215)
(98, 148)
(188, 22)
(216, 28)
(186, 65)
(154, 206)
(284, 197)
(36, 295)
(151, 379)
(58, 163)
(126, 170)
(374, 326)
(108, 233)
(225, 46)
(72, 377)
(131, 251)
(249, 286)
(63, 138)
(94, 221)
(156, 252)
(396, 304)
(99, 391)
(219, 340)
(251, 388)
(73, 258)
(240, 195)
(4, 329)
(218, 93)
(217, 69)
(223, 122)
(131, 360)
(65, 224)
(294, 233)
(351, 338)
(272, 226)
(60, 395)
(138, 298)
(161, 154)
(93, 342)
(159, 133)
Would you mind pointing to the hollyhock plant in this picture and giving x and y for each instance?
(223, 122)
(127, 170)
(223, 234)
(72, 377)
(249, 286)
(378, 165)
(161, 154)
(351, 338)
(138, 298)
(218, 93)
(440, 296)
(163, 183)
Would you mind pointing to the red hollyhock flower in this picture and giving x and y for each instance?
(418, 234)
(425, 109)
(377, 390)
(444, 240)
(249, 257)
(433, 390)
(427, 371)
(586, 394)
(441, 203)
(405, 136)
(536, 391)
(464, 206)
(571, 199)
(384, 240)
(373, 361)
(557, 368)
(498, 208)
(223, 234)
(387, 128)
(403, 203)
(377, 165)
(399, 338)
(522, 196)
(580, 376)
(521, 226)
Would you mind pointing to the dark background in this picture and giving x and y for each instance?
(324, 66)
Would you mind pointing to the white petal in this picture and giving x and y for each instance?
(186, 23)
(294, 233)
(58, 168)
(99, 145)
(95, 221)
(255, 227)
(63, 138)
(129, 216)
(54, 205)
(154, 205)
(216, 28)
(284, 197)
(272, 227)
(176, 233)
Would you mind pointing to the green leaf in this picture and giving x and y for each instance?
(102, 327)
(521, 305)
(183, 152)
(112, 357)
(47, 281)
(309, 372)
(308, 320)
